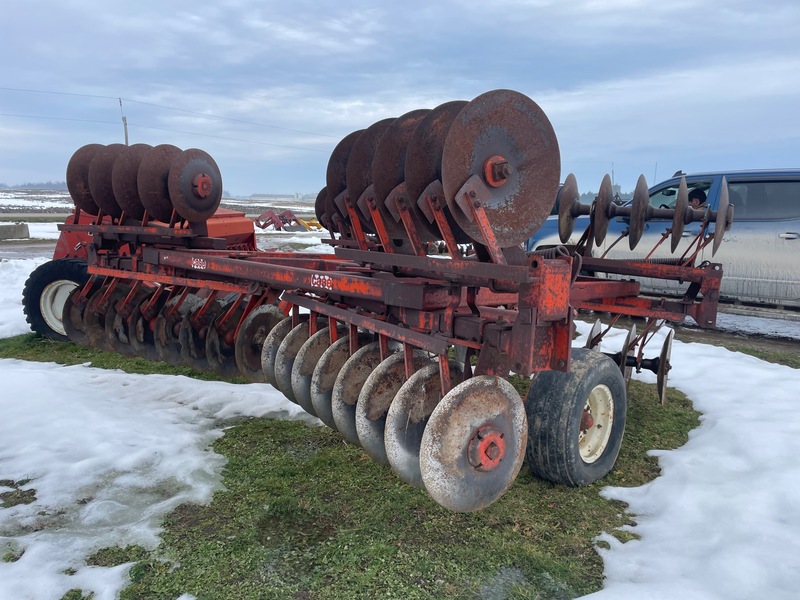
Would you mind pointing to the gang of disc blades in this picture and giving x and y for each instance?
(78, 178)
(195, 185)
(510, 125)
(424, 162)
(123, 179)
(100, 179)
(152, 181)
(388, 171)
(359, 163)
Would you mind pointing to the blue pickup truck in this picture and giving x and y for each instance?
(760, 254)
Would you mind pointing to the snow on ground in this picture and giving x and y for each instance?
(118, 451)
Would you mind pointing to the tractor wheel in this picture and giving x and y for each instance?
(45, 292)
(576, 420)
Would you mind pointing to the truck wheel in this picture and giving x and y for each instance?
(576, 420)
(45, 292)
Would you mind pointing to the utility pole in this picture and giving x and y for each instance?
(124, 122)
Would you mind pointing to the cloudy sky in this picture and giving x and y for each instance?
(268, 88)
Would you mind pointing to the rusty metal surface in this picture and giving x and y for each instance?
(285, 357)
(94, 319)
(388, 167)
(167, 333)
(601, 212)
(678, 219)
(375, 398)
(78, 177)
(508, 124)
(249, 341)
(664, 366)
(641, 202)
(152, 181)
(348, 385)
(139, 326)
(568, 203)
(270, 349)
(195, 184)
(220, 351)
(721, 221)
(100, 179)
(326, 372)
(336, 173)
(423, 163)
(307, 358)
(359, 164)
(408, 416)
(449, 476)
(123, 180)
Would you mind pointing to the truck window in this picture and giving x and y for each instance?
(765, 200)
(666, 197)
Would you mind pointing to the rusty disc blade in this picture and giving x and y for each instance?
(348, 385)
(641, 202)
(195, 185)
(336, 173)
(140, 332)
(375, 398)
(115, 327)
(270, 348)
(100, 179)
(192, 334)
(664, 367)
(424, 162)
(593, 333)
(602, 204)
(94, 321)
(166, 336)
(78, 177)
(123, 180)
(359, 163)
(569, 202)
(720, 225)
(319, 207)
(72, 319)
(250, 338)
(407, 417)
(285, 357)
(678, 219)
(388, 171)
(221, 355)
(626, 351)
(507, 124)
(305, 363)
(152, 178)
(457, 437)
(326, 372)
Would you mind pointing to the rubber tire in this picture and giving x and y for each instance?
(66, 270)
(554, 406)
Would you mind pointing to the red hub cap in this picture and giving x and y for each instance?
(496, 170)
(202, 185)
(487, 448)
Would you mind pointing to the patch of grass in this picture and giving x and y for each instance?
(790, 359)
(13, 554)
(76, 594)
(31, 347)
(111, 557)
(304, 514)
(16, 496)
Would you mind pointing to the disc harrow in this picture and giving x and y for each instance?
(404, 353)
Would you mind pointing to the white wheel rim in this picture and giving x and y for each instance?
(51, 303)
(597, 421)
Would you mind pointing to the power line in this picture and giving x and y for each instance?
(183, 110)
(219, 137)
